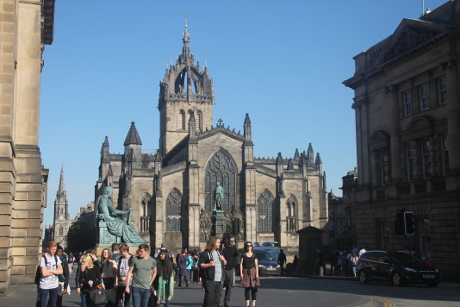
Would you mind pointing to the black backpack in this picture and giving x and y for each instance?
(38, 273)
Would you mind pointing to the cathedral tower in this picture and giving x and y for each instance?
(61, 213)
(185, 92)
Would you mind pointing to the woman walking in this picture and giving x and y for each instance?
(165, 279)
(183, 262)
(88, 279)
(108, 272)
(249, 273)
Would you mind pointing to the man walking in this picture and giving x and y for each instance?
(122, 276)
(282, 261)
(212, 263)
(143, 270)
(115, 252)
(229, 252)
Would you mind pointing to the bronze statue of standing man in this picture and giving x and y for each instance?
(218, 197)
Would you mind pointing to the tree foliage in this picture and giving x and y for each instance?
(80, 237)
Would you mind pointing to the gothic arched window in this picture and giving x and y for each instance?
(221, 168)
(182, 120)
(265, 211)
(61, 230)
(174, 211)
(199, 126)
(291, 213)
(144, 211)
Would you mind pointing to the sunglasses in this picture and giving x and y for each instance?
(248, 244)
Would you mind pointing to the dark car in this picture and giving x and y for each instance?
(397, 267)
(267, 264)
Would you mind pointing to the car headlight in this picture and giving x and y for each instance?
(261, 266)
(436, 270)
(411, 270)
(278, 266)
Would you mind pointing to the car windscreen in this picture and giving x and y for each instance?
(264, 256)
(406, 258)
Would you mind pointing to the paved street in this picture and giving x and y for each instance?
(296, 292)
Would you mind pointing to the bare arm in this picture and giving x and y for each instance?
(128, 278)
(222, 258)
(153, 276)
(256, 263)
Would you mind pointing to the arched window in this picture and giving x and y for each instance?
(61, 231)
(144, 215)
(182, 120)
(221, 168)
(174, 211)
(199, 126)
(291, 213)
(265, 211)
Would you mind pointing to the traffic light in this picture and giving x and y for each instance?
(409, 223)
(399, 223)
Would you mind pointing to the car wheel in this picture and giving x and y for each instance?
(396, 279)
(432, 284)
(363, 277)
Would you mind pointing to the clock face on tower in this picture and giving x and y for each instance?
(61, 217)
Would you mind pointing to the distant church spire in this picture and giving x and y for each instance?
(61, 182)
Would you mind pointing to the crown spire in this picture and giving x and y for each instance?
(186, 39)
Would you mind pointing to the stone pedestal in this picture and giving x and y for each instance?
(105, 238)
(218, 223)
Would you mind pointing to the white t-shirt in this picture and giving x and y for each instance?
(49, 282)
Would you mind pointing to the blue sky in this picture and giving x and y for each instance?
(283, 62)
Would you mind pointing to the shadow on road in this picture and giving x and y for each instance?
(444, 292)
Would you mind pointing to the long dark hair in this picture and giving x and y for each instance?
(164, 267)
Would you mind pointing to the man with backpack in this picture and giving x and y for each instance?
(121, 281)
(48, 283)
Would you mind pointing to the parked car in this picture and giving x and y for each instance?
(272, 247)
(397, 267)
(267, 264)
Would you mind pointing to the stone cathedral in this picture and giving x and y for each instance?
(171, 192)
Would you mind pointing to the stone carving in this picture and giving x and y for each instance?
(218, 197)
(115, 225)
(205, 226)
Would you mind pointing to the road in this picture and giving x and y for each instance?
(296, 292)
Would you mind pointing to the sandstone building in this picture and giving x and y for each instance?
(171, 192)
(25, 27)
(407, 112)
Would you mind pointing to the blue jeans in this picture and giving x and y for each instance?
(141, 297)
(85, 300)
(44, 297)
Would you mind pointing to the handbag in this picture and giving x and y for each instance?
(99, 296)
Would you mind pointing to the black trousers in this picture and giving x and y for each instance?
(212, 292)
(252, 291)
(228, 283)
(120, 292)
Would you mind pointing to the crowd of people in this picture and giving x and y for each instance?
(148, 280)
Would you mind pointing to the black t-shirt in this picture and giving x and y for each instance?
(248, 262)
(230, 254)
